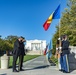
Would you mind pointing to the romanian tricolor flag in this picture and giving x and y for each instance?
(55, 15)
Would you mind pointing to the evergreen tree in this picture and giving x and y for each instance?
(67, 24)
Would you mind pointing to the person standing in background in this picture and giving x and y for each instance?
(16, 52)
(65, 54)
(21, 57)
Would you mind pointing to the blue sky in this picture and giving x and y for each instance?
(26, 18)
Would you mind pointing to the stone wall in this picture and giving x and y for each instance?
(72, 57)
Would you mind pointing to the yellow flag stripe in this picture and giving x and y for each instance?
(49, 21)
(50, 18)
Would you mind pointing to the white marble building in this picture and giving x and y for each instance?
(35, 45)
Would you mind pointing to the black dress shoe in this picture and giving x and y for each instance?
(15, 71)
(61, 70)
(21, 69)
(65, 72)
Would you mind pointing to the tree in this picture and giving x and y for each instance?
(11, 39)
(7, 43)
(67, 24)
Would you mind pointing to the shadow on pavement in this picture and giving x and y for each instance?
(3, 74)
(39, 67)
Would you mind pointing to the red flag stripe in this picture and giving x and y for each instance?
(48, 22)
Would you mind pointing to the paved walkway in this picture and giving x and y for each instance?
(37, 66)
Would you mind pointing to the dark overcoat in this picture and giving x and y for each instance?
(22, 48)
(16, 50)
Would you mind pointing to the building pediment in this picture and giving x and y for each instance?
(36, 41)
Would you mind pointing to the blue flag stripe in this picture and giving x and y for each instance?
(56, 14)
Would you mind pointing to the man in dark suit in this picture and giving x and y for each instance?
(21, 57)
(16, 52)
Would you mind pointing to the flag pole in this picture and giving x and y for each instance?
(59, 28)
(59, 45)
(59, 18)
(59, 34)
(59, 65)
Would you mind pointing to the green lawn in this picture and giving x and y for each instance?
(26, 58)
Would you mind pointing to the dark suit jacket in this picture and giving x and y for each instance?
(16, 50)
(22, 48)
